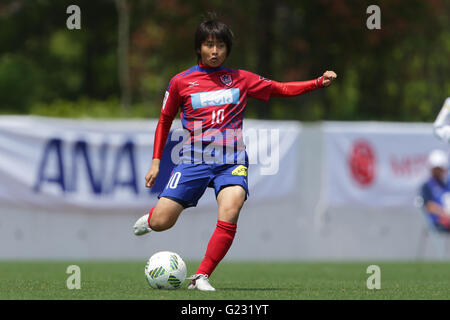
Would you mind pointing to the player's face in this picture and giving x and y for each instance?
(213, 52)
(440, 173)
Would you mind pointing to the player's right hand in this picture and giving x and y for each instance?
(151, 175)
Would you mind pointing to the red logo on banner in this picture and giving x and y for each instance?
(362, 162)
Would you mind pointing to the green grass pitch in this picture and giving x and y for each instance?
(102, 280)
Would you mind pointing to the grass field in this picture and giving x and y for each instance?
(233, 281)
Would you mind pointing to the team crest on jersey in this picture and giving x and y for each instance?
(226, 79)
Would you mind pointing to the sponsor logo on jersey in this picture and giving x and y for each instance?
(226, 79)
(240, 171)
(215, 98)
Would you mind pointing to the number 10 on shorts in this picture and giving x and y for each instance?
(174, 179)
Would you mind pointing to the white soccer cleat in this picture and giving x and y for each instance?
(141, 226)
(200, 282)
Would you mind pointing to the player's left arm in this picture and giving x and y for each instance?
(263, 89)
(295, 88)
(328, 77)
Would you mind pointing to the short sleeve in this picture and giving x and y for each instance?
(258, 87)
(425, 193)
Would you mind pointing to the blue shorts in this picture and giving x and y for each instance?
(188, 181)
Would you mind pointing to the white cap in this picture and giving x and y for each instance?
(438, 159)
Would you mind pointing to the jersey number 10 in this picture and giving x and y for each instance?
(217, 117)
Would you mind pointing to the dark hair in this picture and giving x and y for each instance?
(213, 27)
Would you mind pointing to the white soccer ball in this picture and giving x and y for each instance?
(165, 270)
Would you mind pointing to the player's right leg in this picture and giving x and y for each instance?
(186, 185)
(165, 214)
(161, 217)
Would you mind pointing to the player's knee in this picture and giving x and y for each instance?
(230, 213)
(160, 222)
(235, 206)
(157, 224)
(232, 209)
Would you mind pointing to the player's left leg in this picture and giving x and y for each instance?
(230, 201)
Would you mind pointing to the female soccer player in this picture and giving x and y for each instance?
(210, 97)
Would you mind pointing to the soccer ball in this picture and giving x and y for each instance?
(165, 270)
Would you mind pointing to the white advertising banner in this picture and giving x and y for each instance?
(375, 164)
(67, 164)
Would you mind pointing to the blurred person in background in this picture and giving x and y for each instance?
(435, 191)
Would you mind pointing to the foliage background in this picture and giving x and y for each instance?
(398, 73)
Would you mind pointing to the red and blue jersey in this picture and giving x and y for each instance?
(215, 99)
(212, 101)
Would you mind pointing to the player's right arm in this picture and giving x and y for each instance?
(441, 125)
(169, 110)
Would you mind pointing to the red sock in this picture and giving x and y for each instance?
(218, 246)
(150, 215)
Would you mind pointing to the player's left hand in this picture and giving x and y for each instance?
(328, 77)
